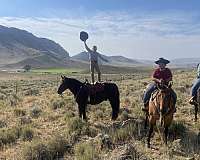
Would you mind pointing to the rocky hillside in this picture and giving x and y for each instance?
(18, 46)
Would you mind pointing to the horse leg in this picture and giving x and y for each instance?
(166, 134)
(195, 112)
(146, 121)
(149, 135)
(115, 108)
(80, 111)
(84, 112)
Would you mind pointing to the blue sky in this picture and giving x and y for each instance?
(141, 29)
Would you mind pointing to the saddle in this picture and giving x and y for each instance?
(95, 88)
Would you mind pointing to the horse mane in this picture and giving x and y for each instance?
(75, 81)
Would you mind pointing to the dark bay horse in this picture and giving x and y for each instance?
(160, 108)
(83, 96)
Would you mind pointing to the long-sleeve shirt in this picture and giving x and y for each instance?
(93, 55)
(198, 71)
(162, 74)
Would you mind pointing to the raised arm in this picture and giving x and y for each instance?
(87, 48)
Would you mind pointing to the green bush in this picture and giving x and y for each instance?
(35, 112)
(57, 104)
(36, 150)
(80, 127)
(27, 133)
(86, 151)
(31, 92)
(123, 134)
(58, 146)
(52, 149)
(19, 112)
(177, 129)
(9, 136)
(2, 124)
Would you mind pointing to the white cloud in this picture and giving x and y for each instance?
(138, 36)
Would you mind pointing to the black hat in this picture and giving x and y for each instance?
(83, 36)
(162, 60)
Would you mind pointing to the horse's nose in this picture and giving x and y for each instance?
(59, 92)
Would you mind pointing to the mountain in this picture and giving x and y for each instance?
(19, 46)
(185, 62)
(113, 60)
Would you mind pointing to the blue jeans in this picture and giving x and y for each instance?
(147, 95)
(195, 87)
(152, 87)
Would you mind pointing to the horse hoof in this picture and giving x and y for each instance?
(114, 118)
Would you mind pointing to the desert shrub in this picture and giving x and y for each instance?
(69, 115)
(2, 96)
(25, 120)
(75, 125)
(58, 146)
(31, 92)
(27, 133)
(51, 149)
(36, 150)
(124, 115)
(8, 136)
(57, 104)
(123, 134)
(80, 127)
(177, 129)
(19, 112)
(3, 86)
(86, 151)
(3, 123)
(35, 111)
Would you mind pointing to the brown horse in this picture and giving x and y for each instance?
(160, 107)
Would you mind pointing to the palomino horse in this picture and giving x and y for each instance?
(160, 107)
(86, 93)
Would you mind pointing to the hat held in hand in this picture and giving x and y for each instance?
(83, 36)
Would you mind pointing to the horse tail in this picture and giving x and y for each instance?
(117, 98)
(115, 101)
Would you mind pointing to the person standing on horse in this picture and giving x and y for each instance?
(195, 87)
(93, 56)
(161, 75)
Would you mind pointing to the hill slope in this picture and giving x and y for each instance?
(19, 45)
(113, 60)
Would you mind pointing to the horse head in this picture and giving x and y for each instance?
(164, 99)
(64, 85)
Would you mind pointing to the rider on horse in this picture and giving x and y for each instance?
(161, 75)
(195, 87)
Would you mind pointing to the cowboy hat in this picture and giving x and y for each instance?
(162, 60)
(83, 36)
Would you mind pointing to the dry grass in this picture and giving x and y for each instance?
(48, 125)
